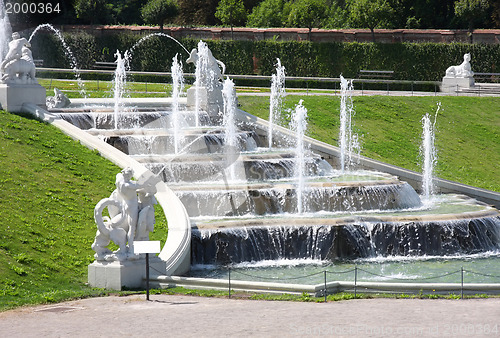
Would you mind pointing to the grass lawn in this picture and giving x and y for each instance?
(467, 137)
(49, 186)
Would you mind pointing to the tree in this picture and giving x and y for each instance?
(307, 13)
(231, 12)
(92, 11)
(125, 11)
(336, 17)
(495, 15)
(472, 12)
(267, 14)
(370, 14)
(197, 12)
(159, 11)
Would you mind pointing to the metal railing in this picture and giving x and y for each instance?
(362, 86)
(224, 277)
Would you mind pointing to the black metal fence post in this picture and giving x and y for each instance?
(462, 285)
(147, 276)
(355, 280)
(325, 284)
(229, 284)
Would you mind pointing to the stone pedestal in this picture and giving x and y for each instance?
(210, 101)
(452, 84)
(129, 274)
(202, 97)
(12, 96)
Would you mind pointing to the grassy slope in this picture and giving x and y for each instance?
(49, 185)
(467, 138)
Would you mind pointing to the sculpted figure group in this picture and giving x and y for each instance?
(131, 217)
(18, 66)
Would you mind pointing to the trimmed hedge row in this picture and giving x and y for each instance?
(409, 61)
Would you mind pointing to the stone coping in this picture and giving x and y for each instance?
(280, 185)
(177, 250)
(340, 221)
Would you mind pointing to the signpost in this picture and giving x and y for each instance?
(147, 247)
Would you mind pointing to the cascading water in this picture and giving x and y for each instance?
(229, 123)
(276, 100)
(177, 87)
(348, 140)
(67, 52)
(299, 125)
(5, 31)
(119, 83)
(428, 152)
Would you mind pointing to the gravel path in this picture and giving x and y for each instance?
(187, 316)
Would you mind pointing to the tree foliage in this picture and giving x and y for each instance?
(197, 12)
(471, 11)
(158, 11)
(231, 12)
(307, 13)
(92, 11)
(370, 14)
(267, 14)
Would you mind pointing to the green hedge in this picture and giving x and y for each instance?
(409, 61)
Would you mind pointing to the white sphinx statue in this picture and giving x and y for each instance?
(18, 66)
(458, 77)
(462, 70)
(131, 217)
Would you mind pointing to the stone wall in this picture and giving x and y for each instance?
(487, 36)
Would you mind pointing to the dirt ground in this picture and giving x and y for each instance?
(189, 316)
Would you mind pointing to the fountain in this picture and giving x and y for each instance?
(282, 202)
(299, 125)
(67, 52)
(276, 99)
(177, 88)
(5, 31)
(428, 150)
(119, 83)
(348, 140)
(229, 123)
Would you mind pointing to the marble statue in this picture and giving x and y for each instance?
(131, 217)
(18, 66)
(206, 93)
(458, 77)
(213, 66)
(59, 100)
(463, 70)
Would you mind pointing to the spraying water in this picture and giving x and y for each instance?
(276, 100)
(299, 125)
(177, 88)
(67, 52)
(229, 120)
(428, 151)
(201, 74)
(348, 140)
(119, 83)
(5, 31)
(147, 37)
